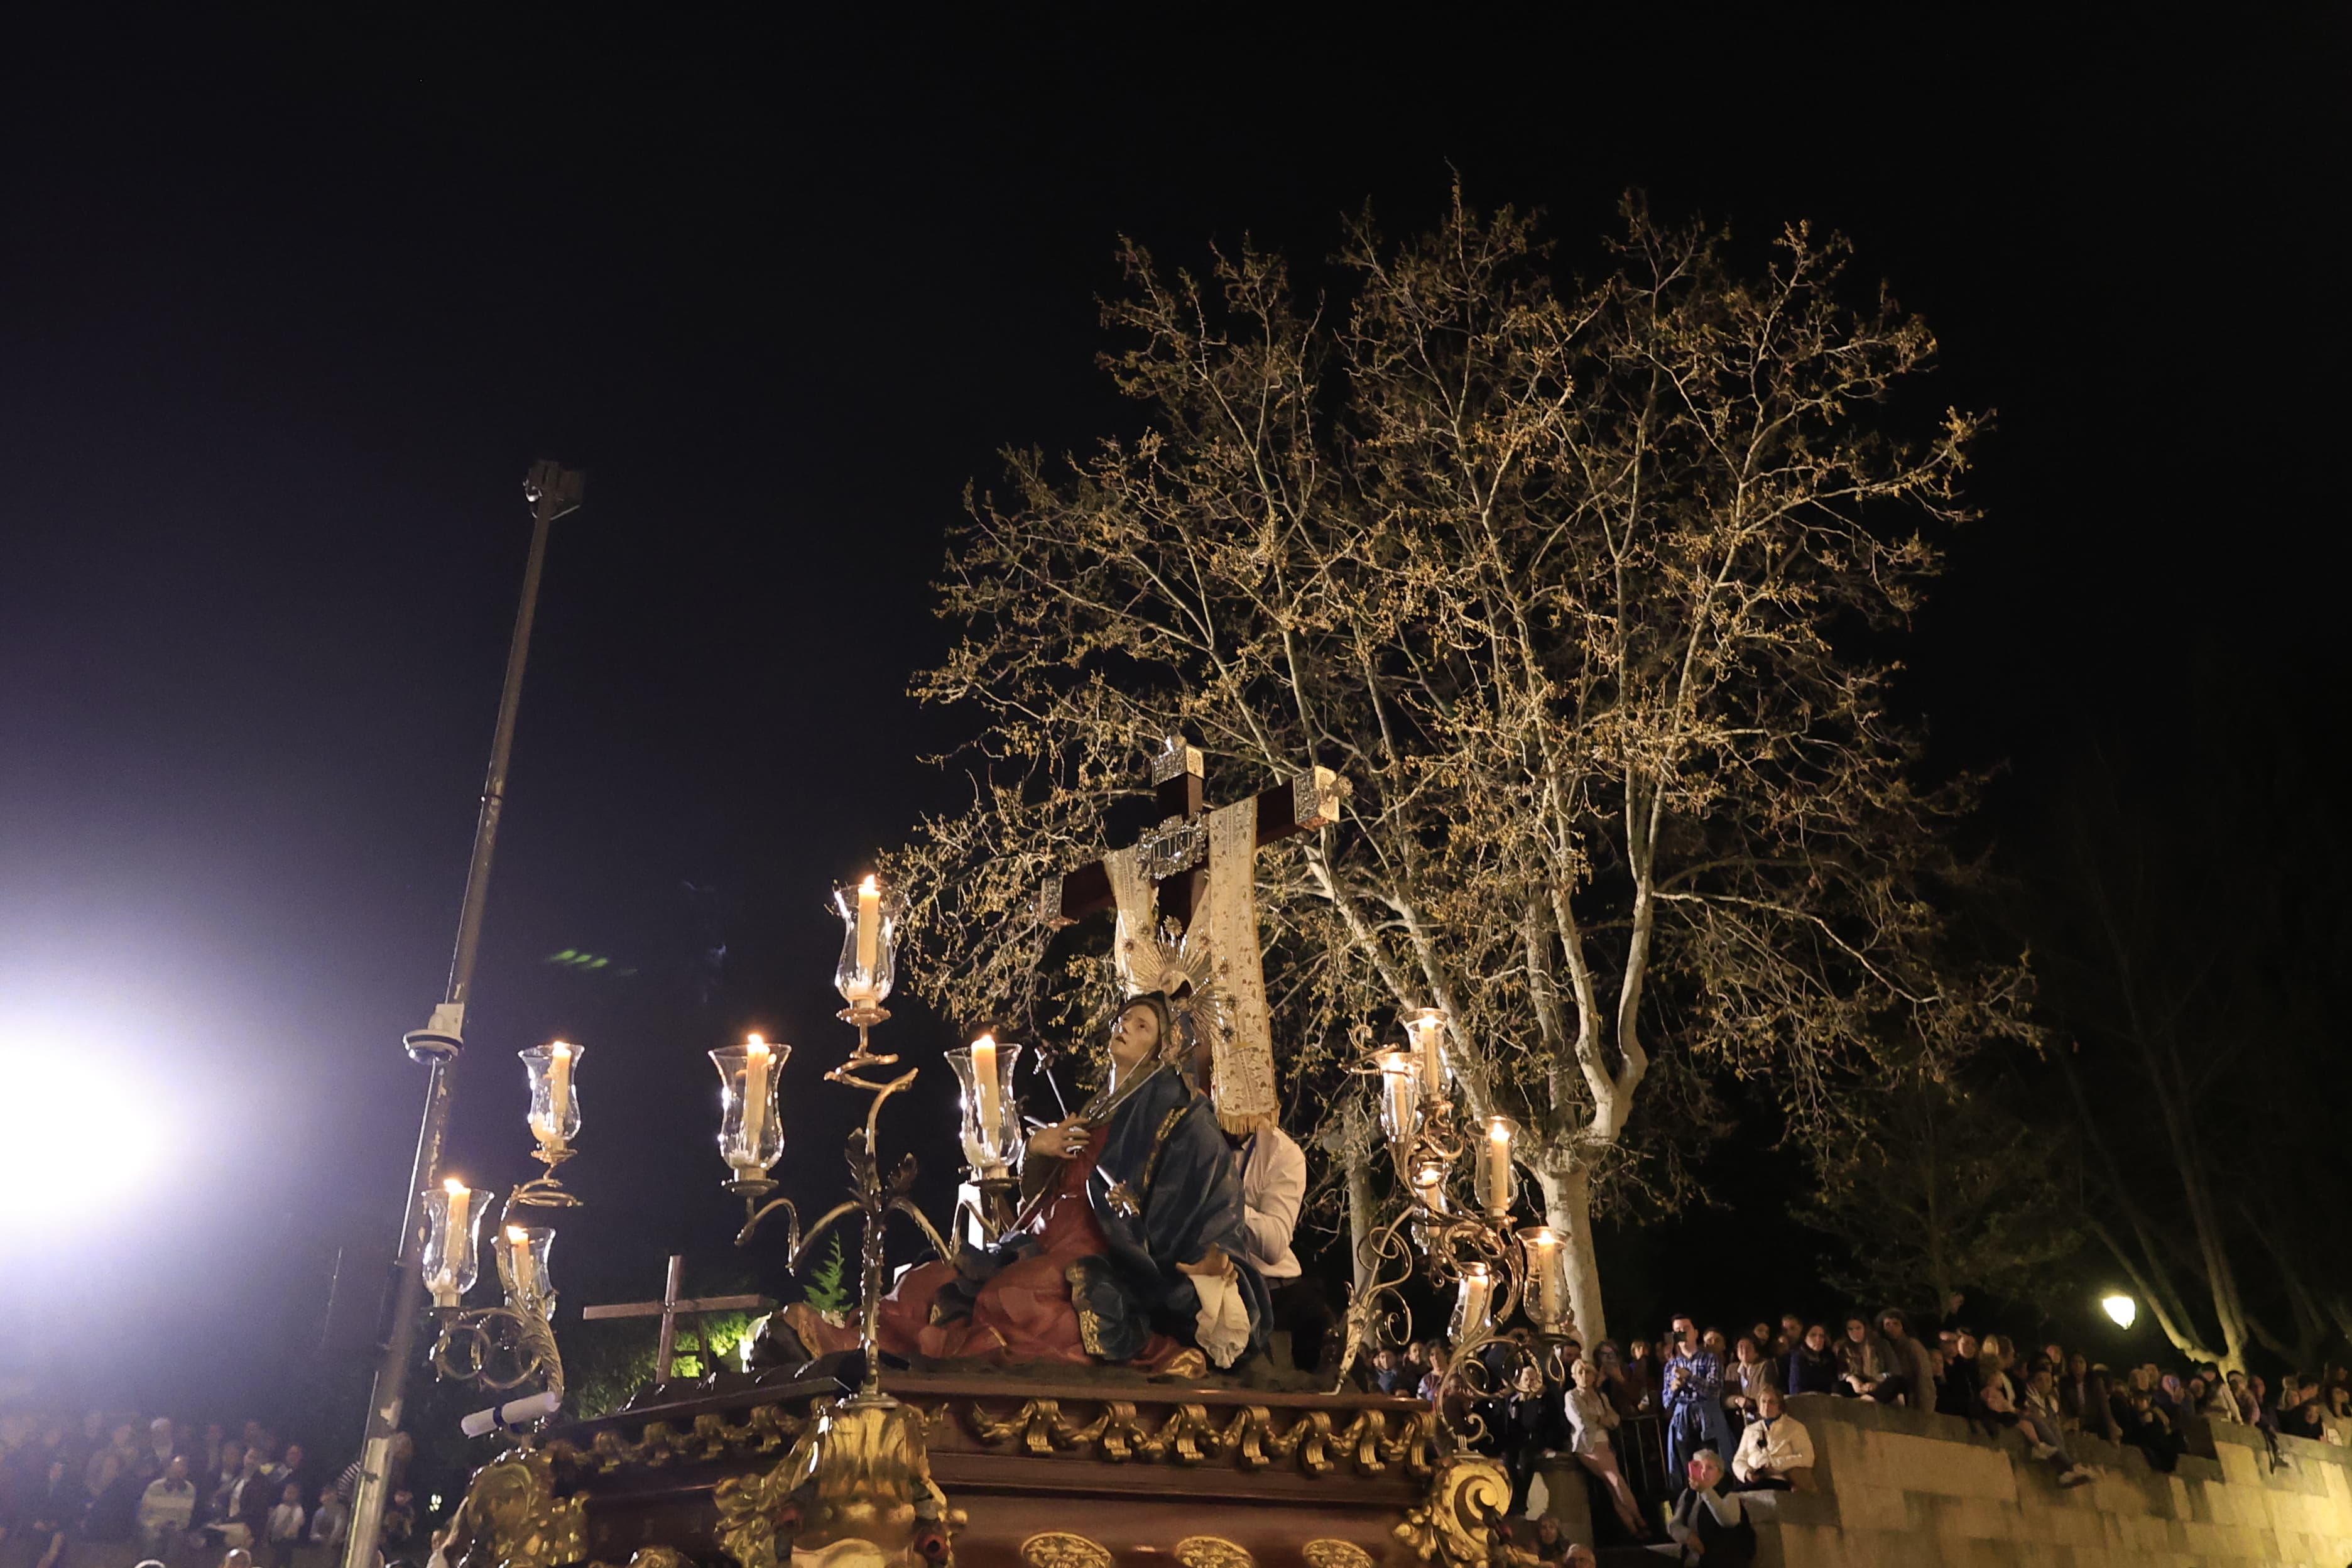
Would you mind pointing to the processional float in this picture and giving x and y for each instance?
(844, 1460)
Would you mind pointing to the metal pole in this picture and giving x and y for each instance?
(552, 491)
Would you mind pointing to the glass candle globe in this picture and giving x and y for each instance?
(1426, 1030)
(523, 1266)
(750, 1127)
(1400, 1098)
(1497, 1180)
(453, 1222)
(554, 1114)
(1546, 1287)
(992, 1121)
(1474, 1299)
(869, 943)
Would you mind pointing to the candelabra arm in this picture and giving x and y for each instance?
(816, 1233)
(880, 1091)
(923, 1222)
(1382, 1296)
(753, 1215)
(468, 1340)
(539, 1193)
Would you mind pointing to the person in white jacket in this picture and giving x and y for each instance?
(1776, 1452)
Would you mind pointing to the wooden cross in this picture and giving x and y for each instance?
(670, 1308)
(1176, 852)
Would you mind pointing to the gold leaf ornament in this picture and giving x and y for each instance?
(1060, 1549)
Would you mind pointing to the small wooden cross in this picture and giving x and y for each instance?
(1177, 851)
(670, 1308)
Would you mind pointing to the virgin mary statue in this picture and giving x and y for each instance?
(1125, 1248)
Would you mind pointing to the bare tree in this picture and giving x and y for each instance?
(1942, 1189)
(2191, 965)
(1580, 582)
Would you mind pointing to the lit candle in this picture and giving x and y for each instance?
(1471, 1303)
(559, 1095)
(1498, 1165)
(1400, 1095)
(526, 1283)
(1547, 1300)
(1428, 1030)
(983, 1079)
(1429, 1187)
(755, 1099)
(869, 936)
(453, 1234)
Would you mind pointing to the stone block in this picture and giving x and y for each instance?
(1949, 1470)
(1869, 1508)
(1978, 1518)
(2238, 1465)
(1792, 1508)
(2078, 1527)
(1816, 1546)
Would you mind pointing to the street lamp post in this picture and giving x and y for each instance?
(552, 491)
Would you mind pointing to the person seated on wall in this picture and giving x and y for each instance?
(2147, 1428)
(1776, 1452)
(1813, 1366)
(1910, 1376)
(1709, 1528)
(1126, 1249)
(1956, 1391)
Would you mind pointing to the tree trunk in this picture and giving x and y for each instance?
(1364, 1213)
(1568, 1209)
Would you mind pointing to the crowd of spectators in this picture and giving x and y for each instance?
(1714, 1405)
(108, 1487)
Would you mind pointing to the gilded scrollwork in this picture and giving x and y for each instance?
(1187, 1434)
(1453, 1526)
(764, 1430)
(654, 1557)
(511, 1517)
(1332, 1553)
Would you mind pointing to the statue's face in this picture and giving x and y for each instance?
(1135, 1039)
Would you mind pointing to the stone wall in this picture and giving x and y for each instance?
(1920, 1490)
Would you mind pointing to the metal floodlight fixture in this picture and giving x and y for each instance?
(2122, 1309)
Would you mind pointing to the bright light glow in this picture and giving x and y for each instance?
(869, 886)
(514, 1234)
(2122, 1309)
(453, 1186)
(78, 1132)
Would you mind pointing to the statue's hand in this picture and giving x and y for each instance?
(1212, 1265)
(1060, 1141)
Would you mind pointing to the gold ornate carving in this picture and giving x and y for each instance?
(763, 1431)
(1213, 1552)
(859, 1480)
(1328, 1552)
(1452, 1527)
(511, 1517)
(1060, 1549)
(1186, 1435)
(654, 1557)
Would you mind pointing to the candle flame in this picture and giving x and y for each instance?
(1499, 1131)
(754, 1043)
(453, 1186)
(562, 1049)
(868, 885)
(988, 1040)
(515, 1234)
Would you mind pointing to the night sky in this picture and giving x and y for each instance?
(285, 312)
